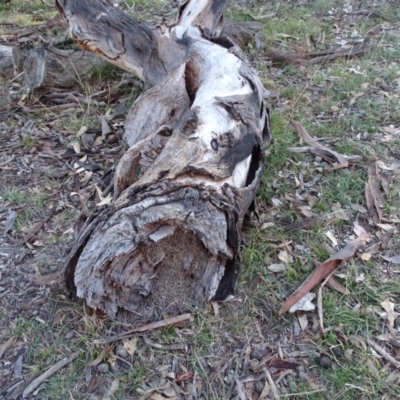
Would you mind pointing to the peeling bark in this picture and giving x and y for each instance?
(171, 237)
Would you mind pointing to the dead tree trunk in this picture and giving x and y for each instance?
(171, 237)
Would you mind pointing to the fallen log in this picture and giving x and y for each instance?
(60, 68)
(170, 238)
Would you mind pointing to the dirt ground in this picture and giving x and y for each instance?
(56, 165)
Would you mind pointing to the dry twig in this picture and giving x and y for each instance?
(146, 328)
(384, 353)
(47, 374)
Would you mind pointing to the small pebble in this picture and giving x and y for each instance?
(259, 387)
(121, 351)
(395, 343)
(69, 335)
(336, 352)
(258, 353)
(324, 361)
(102, 368)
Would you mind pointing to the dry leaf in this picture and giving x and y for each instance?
(77, 147)
(33, 230)
(359, 230)
(392, 167)
(82, 131)
(358, 341)
(355, 71)
(332, 238)
(323, 271)
(284, 256)
(303, 320)
(265, 391)
(240, 389)
(276, 267)
(215, 307)
(113, 389)
(156, 396)
(348, 354)
(388, 306)
(98, 359)
(105, 201)
(374, 196)
(112, 358)
(386, 227)
(131, 345)
(335, 285)
(371, 251)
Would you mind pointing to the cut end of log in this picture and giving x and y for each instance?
(152, 258)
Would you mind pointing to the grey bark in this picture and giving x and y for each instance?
(58, 68)
(170, 239)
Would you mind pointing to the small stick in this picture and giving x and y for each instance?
(384, 353)
(51, 108)
(303, 393)
(51, 371)
(145, 328)
(176, 346)
(272, 384)
(319, 303)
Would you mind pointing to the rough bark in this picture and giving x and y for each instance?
(171, 237)
(6, 62)
(54, 67)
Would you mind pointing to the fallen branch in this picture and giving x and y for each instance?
(337, 160)
(352, 159)
(356, 50)
(320, 56)
(46, 375)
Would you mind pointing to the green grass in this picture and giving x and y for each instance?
(14, 195)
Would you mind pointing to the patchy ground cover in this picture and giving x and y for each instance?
(242, 348)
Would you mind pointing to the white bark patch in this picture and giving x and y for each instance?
(162, 232)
